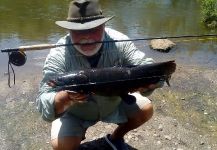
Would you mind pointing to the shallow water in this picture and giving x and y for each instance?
(32, 22)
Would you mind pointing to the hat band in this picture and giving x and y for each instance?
(85, 19)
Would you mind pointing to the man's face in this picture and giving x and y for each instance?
(88, 36)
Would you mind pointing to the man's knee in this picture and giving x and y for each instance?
(145, 114)
(147, 111)
(66, 143)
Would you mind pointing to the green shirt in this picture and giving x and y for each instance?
(66, 59)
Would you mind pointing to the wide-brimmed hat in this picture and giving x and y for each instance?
(83, 15)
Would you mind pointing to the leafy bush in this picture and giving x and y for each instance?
(209, 11)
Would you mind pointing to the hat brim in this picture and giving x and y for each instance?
(82, 26)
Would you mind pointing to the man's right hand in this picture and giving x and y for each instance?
(64, 99)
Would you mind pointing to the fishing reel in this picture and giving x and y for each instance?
(17, 58)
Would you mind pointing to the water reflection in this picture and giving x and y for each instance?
(157, 18)
(32, 22)
(29, 20)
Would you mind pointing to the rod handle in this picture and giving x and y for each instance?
(36, 47)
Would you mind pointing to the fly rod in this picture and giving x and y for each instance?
(48, 46)
(18, 57)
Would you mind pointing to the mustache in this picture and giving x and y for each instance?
(87, 41)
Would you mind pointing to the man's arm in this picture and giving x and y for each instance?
(45, 100)
(133, 56)
(51, 102)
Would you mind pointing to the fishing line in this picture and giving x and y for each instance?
(196, 39)
(9, 75)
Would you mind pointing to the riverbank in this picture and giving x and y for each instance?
(185, 115)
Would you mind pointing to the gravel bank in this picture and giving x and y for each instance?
(185, 116)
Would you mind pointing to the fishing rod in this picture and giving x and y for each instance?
(48, 46)
(18, 57)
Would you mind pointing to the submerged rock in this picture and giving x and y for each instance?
(163, 45)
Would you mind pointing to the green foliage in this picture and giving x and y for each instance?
(209, 11)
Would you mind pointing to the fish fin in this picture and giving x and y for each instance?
(127, 65)
(167, 81)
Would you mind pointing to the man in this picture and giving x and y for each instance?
(72, 113)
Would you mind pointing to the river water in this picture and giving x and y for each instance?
(30, 22)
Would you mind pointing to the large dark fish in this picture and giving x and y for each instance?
(114, 81)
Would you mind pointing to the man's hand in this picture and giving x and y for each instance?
(64, 99)
(77, 97)
(148, 88)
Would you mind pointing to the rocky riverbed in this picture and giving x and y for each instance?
(184, 119)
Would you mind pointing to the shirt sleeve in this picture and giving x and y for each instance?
(54, 64)
(133, 56)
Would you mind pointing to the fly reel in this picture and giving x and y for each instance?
(17, 58)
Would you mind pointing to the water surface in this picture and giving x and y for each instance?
(33, 22)
(27, 22)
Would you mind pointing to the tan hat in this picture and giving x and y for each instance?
(83, 15)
